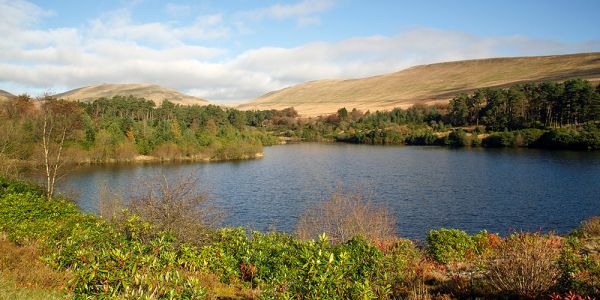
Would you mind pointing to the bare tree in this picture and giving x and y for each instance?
(52, 151)
(59, 120)
(176, 204)
(347, 214)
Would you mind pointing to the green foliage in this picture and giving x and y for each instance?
(567, 138)
(579, 271)
(458, 138)
(447, 245)
(131, 259)
(121, 128)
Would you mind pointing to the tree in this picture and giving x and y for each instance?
(459, 111)
(59, 121)
(342, 114)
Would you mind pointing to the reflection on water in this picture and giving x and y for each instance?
(425, 187)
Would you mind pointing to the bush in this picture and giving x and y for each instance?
(458, 138)
(580, 269)
(176, 205)
(527, 137)
(449, 245)
(346, 215)
(525, 265)
(167, 151)
(499, 139)
(422, 138)
(590, 227)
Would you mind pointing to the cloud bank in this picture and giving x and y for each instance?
(115, 49)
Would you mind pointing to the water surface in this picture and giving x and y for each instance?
(425, 187)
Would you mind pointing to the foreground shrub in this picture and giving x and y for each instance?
(580, 267)
(448, 245)
(590, 227)
(346, 215)
(176, 205)
(525, 265)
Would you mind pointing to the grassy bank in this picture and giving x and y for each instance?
(88, 256)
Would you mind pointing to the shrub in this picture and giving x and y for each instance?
(458, 138)
(176, 205)
(580, 269)
(525, 265)
(346, 215)
(421, 138)
(590, 227)
(485, 242)
(167, 151)
(125, 152)
(499, 139)
(448, 245)
(527, 137)
(560, 138)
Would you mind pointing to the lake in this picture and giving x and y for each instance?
(424, 187)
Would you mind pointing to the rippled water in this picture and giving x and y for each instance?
(425, 187)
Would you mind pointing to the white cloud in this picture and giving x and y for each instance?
(119, 25)
(114, 49)
(19, 14)
(303, 12)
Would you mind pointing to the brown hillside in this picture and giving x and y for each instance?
(152, 92)
(5, 95)
(427, 83)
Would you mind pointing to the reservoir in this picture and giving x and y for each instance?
(425, 188)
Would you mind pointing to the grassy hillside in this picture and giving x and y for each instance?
(427, 83)
(5, 95)
(152, 92)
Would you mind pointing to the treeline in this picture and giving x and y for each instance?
(546, 115)
(533, 105)
(123, 128)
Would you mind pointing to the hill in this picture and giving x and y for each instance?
(152, 92)
(427, 84)
(5, 95)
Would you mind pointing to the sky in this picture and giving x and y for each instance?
(237, 50)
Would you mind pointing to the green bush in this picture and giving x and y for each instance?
(499, 139)
(458, 138)
(560, 138)
(449, 245)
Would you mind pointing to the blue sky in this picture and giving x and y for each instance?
(229, 51)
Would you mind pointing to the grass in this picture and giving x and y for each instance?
(9, 290)
(427, 84)
(24, 276)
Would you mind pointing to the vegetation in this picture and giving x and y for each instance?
(545, 115)
(344, 216)
(123, 128)
(52, 133)
(132, 258)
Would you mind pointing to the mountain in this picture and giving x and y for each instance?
(5, 95)
(427, 84)
(149, 91)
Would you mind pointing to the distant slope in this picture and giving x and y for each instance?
(152, 92)
(4, 95)
(427, 83)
